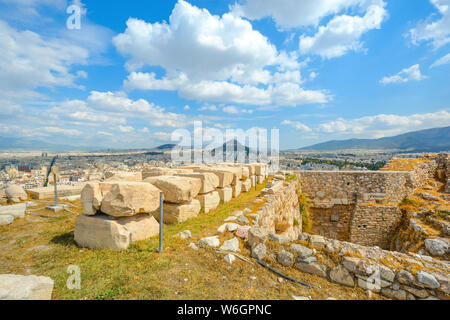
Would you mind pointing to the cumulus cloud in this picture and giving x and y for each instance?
(297, 125)
(125, 129)
(236, 110)
(442, 61)
(292, 13)
(386, 124)
(29, 62)
(212, 58)
(343, 33)
(436, 32)
(409, 74)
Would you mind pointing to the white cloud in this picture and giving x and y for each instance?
(236, 110)
(208, 108)
(211, 58)
(297, 125)
(293, 13)
(409, 74)
(145, 130)
(442, 61)
(67, 132)
(436, 32)
(386, 124)
(29, 62)
(125, 129)
(104, 133)
(343, 33)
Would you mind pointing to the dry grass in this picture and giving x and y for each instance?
(398, 164)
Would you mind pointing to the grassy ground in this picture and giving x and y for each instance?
(45, 246)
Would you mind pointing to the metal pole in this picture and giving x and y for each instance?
(256, 182)
(161, 221)
(56, 190)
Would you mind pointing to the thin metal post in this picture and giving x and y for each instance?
(56, 190)
(256, 182)
(161, 221)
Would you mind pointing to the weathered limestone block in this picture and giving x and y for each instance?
(312, 267)
(178, 213)
(16, 287)
(123, 176)
(246, 185)
(155, 172)
(15, 193)
(285, 258)
(237, 188)
(105, 232)
(260, 179)
(342, 276)
(127, 199)
(210, 181)
(245, 173)
(6, 220)
(209, 201)
(212, 242)
(225, 194)
(177, 189)
(16, 210)
(276, 187)
(91, 198)
(225, 177)
(256, 236)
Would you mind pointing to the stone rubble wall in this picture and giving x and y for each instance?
(391, 274)
(361, 207)
(281, 213)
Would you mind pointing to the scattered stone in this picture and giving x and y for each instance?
(301, 298)
(428, 196)
(184, 235)
(404, 277)
(193, 246)
(6, 220)
(302, 251)
(222, 228)
(231, 245)
(243, 219)
(285, 258)
(312, 268)
(278, 238)
(394, 294)
(16, 287)
(213, 242)
(257, 235)
(15, 193)
(230, 258)
(351, 263)
(437, 247)
(242, 232)
(428, 280)
(17, 210)
(229, 219)
(341, 275)
(259, 251)
(317, 242)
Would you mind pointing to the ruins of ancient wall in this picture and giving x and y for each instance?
(281, 213)
(374, 225)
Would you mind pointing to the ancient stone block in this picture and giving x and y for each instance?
(130, 198)
(178, 213)
(209, 201)
(17, 287)
(237, 188)
(177, 189)
(105, 232)
(91, 198)
(123, 176)
(225, 194)
(210, 181)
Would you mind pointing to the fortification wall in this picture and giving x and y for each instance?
(281, 212)
(361, 207)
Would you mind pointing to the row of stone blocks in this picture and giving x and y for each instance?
(118, 213)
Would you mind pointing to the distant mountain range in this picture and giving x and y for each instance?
(431, 140)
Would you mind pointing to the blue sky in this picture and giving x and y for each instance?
(136, 71)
